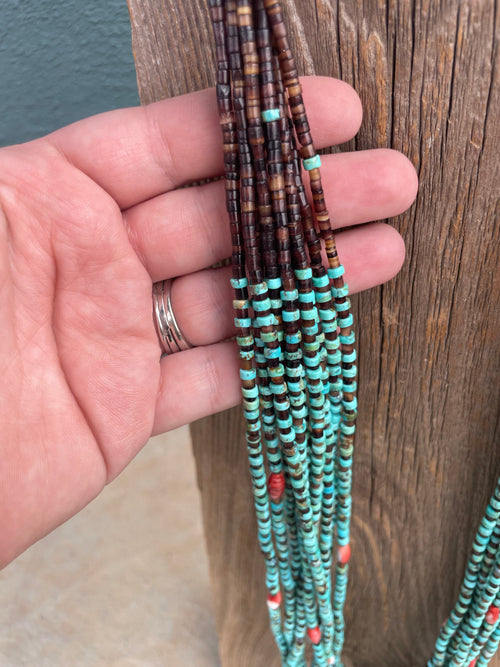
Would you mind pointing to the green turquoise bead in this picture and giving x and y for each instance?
(313, 162)
(336, 272)
(269, 115)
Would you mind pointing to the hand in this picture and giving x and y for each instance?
(90, 216)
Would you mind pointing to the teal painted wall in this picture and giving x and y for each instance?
(61, 60)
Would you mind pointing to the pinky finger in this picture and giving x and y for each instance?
(197, 383)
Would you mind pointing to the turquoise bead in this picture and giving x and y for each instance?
(243, 322)
(329, 327)
(269, 115)
(273, 283)
(293, 356)
(312, 361)
(268, 336)
(340, 307)
(314, 373)
(336, 272)
(320, 281)
(327, 314)
(303, 274)
(258, 288)
(307, 297)
(250, 393)
(340, 291)
(310, 331)
(345, 322)
(239, 283)
(244, 341)
(309, 315)
(264, 321)
(289, 295)
(348, 340)
(323, 297)
(265, 304)
(349, 358)
(293, 338)
(313, 162)
(294, 386)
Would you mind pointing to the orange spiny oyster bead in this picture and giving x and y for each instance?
(314, 634)
(492, 615)
(274, 601)
(276, 485)
(344, 554)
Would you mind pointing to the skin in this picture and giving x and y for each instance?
(90, 216)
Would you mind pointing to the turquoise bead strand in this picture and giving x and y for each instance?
(472, 630)
(294, 330)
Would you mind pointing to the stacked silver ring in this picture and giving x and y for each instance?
(169, 333)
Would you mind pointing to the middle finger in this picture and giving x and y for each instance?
(186, 230)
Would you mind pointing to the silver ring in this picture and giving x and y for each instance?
(169, 334)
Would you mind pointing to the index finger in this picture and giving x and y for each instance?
(135, 154)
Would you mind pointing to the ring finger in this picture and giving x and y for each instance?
(185, 230)
(202, 301)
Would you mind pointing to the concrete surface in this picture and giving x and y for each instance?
(61, 60)
(124, 583)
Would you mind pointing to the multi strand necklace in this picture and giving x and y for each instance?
(297, 358)
(471, 634)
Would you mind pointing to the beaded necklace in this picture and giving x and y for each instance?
(297, 357)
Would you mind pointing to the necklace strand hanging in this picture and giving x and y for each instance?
(297, 357)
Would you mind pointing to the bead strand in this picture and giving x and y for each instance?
(286, 315)
(294, 330)
(466, 635)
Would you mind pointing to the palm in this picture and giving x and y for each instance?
(82, 356)
(85, 227)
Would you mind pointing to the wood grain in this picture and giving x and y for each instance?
(427, 447)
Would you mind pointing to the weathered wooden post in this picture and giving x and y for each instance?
(427, 447)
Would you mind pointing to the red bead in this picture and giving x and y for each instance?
(274, 601)
(314, 634)
(344, 554)
(492, 615)
(276, 485)
(473, 663)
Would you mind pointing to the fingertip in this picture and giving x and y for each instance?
(223, 377)
(401, 183)
(349, 100)
(382, 183)
(392, 253)
(334, 109)
(197, 383)
(372, 254)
